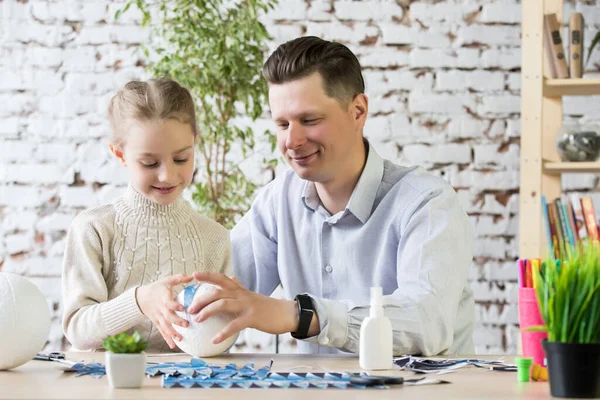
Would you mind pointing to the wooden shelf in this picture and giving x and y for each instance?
(571, 87)
(557, 168)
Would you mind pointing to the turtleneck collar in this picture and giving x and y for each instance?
(141, 205)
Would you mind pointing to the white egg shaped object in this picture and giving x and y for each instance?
(24, 320)
(197, 337)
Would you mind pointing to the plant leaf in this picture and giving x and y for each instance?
(592, 45)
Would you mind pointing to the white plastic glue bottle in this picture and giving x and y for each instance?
(376, 343)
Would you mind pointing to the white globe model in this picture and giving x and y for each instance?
(24, 320)
(197, 337)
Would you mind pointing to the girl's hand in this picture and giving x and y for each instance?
(156, 301)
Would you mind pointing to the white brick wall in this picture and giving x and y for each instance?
(442, 78)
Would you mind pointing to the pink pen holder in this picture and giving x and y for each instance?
(529, 315)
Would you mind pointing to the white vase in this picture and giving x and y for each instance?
(125, 370)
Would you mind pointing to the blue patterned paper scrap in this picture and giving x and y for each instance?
(273, 380)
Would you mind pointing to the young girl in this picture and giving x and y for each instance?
(122, 259)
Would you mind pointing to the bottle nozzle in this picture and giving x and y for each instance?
(376, 296)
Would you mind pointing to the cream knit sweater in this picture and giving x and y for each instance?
(113, 249)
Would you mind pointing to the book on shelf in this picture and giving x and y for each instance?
(555, 51)
(568, 221)
(576, 45)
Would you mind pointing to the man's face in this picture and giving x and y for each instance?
(316, 135)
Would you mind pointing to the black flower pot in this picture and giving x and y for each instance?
(574, 369)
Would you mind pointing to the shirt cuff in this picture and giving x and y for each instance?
(333, 321)
(121, 313)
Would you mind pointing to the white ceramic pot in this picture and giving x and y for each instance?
(125, 370)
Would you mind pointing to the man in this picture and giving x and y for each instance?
(344, 220)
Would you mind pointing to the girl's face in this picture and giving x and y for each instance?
(159, 157)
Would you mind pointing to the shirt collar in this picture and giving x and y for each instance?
(363, 196)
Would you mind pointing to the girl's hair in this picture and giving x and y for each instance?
(155, 100)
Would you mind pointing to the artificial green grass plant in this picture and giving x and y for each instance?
(125, 343)
(568, 294)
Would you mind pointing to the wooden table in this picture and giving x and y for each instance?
(43, 380)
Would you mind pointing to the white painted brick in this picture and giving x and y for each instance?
(49, 13)
(13, 80)
(488, 225)
(37, 173)
(19, 220)
(12, 57)
(439, 58)
(13, 150)
(386, 105)
(18, 243)
(513, 128)
(500, 271)
(367, 10)
(34, 266)
(502, 13)
(428, 129)
(339, 32)
(381, 57)
(93, 154)
(500, 104)
(120, 78)
(58, 153)
(398, 34)
(50, 287)
(514, 81)
(133, 15)
(63, 106)
(476, 80)
(420, 102)
(500, 314)
(54, 222)
(378, 128)
(464, 126)
(508, 58)
(400, 125)
(80, 196)
(387, 150)
(487, 154)
(286, 32)
(319, 10)
(487, 335)
(20, 196)
(80, 59)
(129, 34)
(93, 35)
(490, 247)
(288, 10)
(57, 249)
(439, 154)
(489, 34)
(443, 11)
(16, 104)
(90, 12)
(513, 336)
(497, 129)
(90, 83)
(408, 80)
(46, 35)
(44, 56)
(9, 128)
(15, 11)
(497, 180)
(109, 193)
(111, 172)
(591, 13)
(47, 82)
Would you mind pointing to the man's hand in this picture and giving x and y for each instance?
(252, 310)
(156, 302)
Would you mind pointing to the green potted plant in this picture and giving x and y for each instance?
(568, 294)
(216, 49)
(125, 359)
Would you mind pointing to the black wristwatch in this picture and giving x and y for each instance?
(306, 311)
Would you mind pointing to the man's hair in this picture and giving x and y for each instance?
(301, 57)
(154, 100)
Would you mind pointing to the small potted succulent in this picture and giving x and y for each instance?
(125, 360)
(568, 293)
